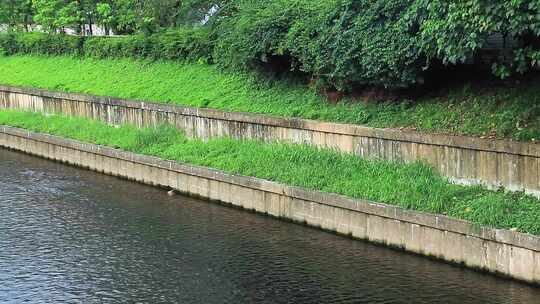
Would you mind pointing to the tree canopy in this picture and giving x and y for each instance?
(338, 43)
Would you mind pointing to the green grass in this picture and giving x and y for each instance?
(498, 112)
(412, 186)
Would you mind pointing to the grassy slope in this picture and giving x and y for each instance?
(512, 113)
(413, 186)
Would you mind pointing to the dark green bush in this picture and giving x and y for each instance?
(180, 44)
(455, 31)
(358, 43)
(191, 44)
(340, 43)
(256, 31)
(40, 43)
(136, 46)
(100, 47)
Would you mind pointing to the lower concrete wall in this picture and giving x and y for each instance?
(504, 252)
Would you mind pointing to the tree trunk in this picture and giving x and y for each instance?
(90, 26)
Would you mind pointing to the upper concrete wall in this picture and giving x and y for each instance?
(467, 160)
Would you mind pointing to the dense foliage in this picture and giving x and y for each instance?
(338, 44)
(181, 44)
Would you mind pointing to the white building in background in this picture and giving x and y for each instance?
(95, 31)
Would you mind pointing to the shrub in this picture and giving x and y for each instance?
(191, 44)
(454, 31)
(180, 44)
(40, 43)
(136, 46)
(340, 43)
(102, 47)
(256, 31)
(358, 43)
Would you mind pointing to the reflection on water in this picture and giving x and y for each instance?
(68, 235)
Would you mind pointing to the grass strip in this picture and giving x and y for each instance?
(496, 112)
(413, 186)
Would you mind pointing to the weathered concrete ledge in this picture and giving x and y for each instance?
(466, 160)
(504, 252)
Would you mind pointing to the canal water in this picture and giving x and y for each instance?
(72, 236)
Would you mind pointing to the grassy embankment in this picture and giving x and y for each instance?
(413, 186)
(499, 112)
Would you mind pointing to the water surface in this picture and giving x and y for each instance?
(73, 236)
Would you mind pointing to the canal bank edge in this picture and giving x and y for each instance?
(503, 252)
(465, 160)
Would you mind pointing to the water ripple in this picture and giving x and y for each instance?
(71, 236)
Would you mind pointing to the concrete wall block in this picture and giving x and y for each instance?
(65, 153)
(123, 169)
(377, 229)
(346, 143)
(413, 241)
(328, 217)
(394, 232)
(521, 261)
(313, 213)
(114, 164)
(343, 221)
(358, 225)
(285, 206)
(36, 147)
(46, 150)
(235, 197)
(433, 242)
(41, 149)
(163, 179)
(536, 267)
(130, 171)
(215, 190)
(172, 179)
(245, 197)
(225, 192)
(199, 186)
(152, 175)
(498, 257)
(258, 200)
(474, 251)
(108, 164)
(453, 247)
(141, 173)
(75, 157)
(18, 144)
(273, 204)
(300, 210)
(12, 142)
(3, 139)
(530, 175)
(181, 183)
(100, 163)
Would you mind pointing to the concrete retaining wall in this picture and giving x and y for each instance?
(465, 160)
(504, 252)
